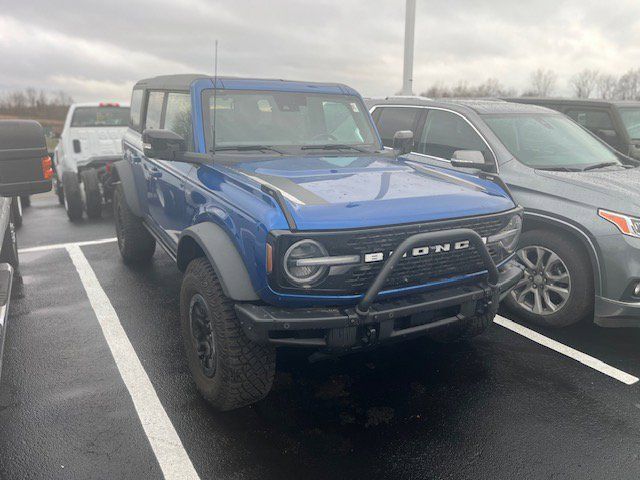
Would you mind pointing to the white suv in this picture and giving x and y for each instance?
(91, 140)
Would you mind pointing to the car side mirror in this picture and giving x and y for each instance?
(403, 142)
(25, 165)
(469, 159)
(163, 144)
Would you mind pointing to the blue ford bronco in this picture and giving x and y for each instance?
(294, 226)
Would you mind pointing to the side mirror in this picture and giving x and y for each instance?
(469, 159)
(25, 165)
(403, 142)
(163, 144)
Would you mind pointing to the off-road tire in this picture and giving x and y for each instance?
(92, 195)
(135, 243)
(579, 306)
(72, 196)
(244, 370)
(9, 252)
(463, 330)
(16, 212)
(59, 190)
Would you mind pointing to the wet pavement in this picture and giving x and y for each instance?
(500, 406)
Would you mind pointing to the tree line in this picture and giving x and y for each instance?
(588, 83)
(34, 103)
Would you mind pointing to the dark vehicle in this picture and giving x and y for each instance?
(25, 169)
(294, 227)
(581, 241)
(617, 122)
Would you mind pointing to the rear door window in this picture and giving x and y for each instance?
(136, 109)
(393, 119)
(445, 132)
(154, 110)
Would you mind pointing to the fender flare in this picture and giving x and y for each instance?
(124, 172)
(584, 238)
(223, 255)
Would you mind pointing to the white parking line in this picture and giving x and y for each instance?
(583, 358)
(167, 447)
(53, 246)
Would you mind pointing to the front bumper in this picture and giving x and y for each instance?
(344, 328)
(616, 314)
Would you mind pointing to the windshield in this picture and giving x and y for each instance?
(631, 120)
(286, 119)
(100, 117)
(549, 141)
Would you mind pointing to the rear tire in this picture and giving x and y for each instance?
(16, 212)
(570, 271)
(92, 195)
(9, 252)
(72, 196)
(26, 201)
(463, 330)
(229, 370)
(59, 190)
(135, 243)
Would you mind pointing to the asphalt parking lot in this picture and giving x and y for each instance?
(95, 385)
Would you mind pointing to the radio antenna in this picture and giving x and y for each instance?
(215, 97)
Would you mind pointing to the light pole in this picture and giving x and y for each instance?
(409, 33)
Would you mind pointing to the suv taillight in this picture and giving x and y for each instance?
(47, 168)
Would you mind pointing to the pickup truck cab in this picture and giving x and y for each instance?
(295, 227)
(90, 142)
(25, 169)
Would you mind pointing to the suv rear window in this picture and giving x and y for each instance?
(100, 117)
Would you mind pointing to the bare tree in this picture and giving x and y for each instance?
(584, 83)
(32, 96)
(543, 82)
(629, 86)
(606, 86)
(489, 88)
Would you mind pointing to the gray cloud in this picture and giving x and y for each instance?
(96, 49)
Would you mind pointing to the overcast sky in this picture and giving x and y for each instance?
(96, 50)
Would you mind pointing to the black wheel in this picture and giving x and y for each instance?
(557, 289)
(463, 330)
(72, 196)
(92, 194)
(16, 212)
(134, 241)
(229, 370)
(26, 201)
(59, 190)
(9, 252)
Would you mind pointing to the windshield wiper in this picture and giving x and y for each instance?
(334, 146)
(559, 169)
(248, 148)
(599, 165)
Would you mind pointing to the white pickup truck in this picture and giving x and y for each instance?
(90, 141)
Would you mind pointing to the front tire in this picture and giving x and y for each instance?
(557, 290)
(229, 370)
(92, 194)
(135, 243)
(72, 196)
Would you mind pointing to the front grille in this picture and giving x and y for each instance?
(410, 271)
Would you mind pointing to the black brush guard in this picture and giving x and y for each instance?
(370, 321)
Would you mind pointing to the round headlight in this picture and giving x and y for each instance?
(299, 273)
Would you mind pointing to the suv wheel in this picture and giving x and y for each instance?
(557, 289)
(135, 243)
(92, 194)
(59, 190)
(16, 212)
(229, 370)
(72, 196)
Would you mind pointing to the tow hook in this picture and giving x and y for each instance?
(370, 336)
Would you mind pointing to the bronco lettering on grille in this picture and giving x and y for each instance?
(420, 251)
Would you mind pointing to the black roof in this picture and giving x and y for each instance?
(462, 105)
(573, 101)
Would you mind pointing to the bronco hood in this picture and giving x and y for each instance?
(364, 191)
